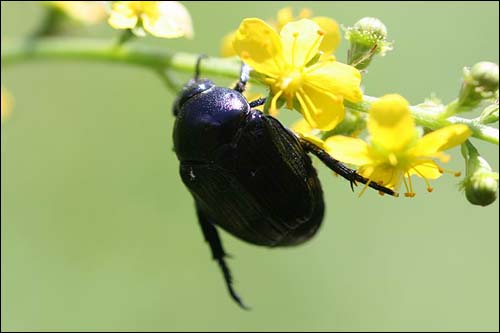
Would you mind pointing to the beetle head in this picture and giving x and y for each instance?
(192, 88)
(207, 120)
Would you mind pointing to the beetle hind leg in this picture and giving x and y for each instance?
(351, 175)
(212, 238)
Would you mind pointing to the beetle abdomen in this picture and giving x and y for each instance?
(261, 188)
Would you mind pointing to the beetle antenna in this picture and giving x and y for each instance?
(198, 65)
(212, 238)
(341, 169)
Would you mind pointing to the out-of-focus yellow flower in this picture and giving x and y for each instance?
(396, 152)
(330, 27)
(226, 48)
(87, 12)
(7, 103)
(286, 64)
(167, 19)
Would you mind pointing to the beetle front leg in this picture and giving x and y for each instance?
(198, 66)
(339, 168)
(244, 77)
(212, 238)
(258, 102)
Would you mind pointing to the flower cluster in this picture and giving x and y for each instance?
(167, 19)
(289, 65)
(395, 151)
(293, 57)
(289, 57)
(331, 38)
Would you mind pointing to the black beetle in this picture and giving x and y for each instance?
(248, 174)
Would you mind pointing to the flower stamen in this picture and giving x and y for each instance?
(272, 108)
(316, 43)
(429, 187)
(448, 171)
(364, 188)
(409, 191)
(295, 37)
(411, 185)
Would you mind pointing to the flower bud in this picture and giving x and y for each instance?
(480, 82)
(485, 76)
(367, 37)
(371, 28)
(480, 183)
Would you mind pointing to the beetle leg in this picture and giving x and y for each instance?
(341, 169)
(212, 238)
(244, 77)
(198, 65)
(258, 102)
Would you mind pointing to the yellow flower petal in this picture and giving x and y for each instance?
(301, 40)
(348, 150)
(331, 39)
(337, 78)
(305, 130)
(390, 123)
(227, 49)
(123, 16)
(302, 127)
(259, 46)
(321, 110)
(441, 139)
(170, 19)
(383, 174)
(428, 169)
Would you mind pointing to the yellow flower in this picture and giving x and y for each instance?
(284, 62)
(7, 102)
(330, 27)
(331, 38)
(167, 19)
(304, 130)
(87, 12)
(227, 49)
(396, 152)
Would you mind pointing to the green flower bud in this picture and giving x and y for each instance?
(371, 29)
(367, 37)
(480, 82)
(480, 183)
(485, 76)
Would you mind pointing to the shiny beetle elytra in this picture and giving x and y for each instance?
(248, 174)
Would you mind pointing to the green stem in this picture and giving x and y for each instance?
(430, 117)
(161, 60)
(14, 52)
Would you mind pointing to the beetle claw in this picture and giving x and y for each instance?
(229, 284)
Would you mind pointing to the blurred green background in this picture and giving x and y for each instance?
(99, 233)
